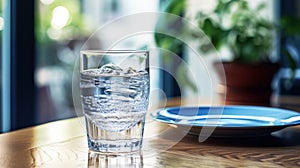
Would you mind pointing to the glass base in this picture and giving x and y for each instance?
(103, 141)
(118, 146)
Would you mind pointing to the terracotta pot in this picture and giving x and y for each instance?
(248, 84)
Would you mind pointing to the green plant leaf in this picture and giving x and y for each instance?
(176, 7)
(224, 6)
(260, 7)
(216, 34)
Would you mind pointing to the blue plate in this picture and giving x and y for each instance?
(229, 120)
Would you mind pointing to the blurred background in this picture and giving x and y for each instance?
(40, 40)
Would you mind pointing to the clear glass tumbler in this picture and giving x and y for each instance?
(114, 88)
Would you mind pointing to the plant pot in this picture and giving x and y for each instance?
(248, 84)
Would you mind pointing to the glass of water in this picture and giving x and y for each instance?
(114, 88)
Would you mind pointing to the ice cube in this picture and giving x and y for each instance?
(110, 69)
(130, 71)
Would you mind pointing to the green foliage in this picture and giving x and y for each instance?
(232, 24)
(167, 23)
(235, 25)
(168, 43)
(74, 27)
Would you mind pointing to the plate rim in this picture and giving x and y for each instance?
(155, 113)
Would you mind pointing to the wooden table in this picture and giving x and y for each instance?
(63, 144)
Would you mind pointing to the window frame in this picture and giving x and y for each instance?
(18, 65)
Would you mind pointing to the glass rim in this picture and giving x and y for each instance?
(91, 52)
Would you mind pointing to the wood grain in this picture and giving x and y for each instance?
(63, 144)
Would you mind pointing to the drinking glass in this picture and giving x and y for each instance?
(114, 87)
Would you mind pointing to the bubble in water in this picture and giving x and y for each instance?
(114, 99)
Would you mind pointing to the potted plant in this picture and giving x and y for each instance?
(249, 37)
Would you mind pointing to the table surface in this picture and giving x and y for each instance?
(63, 144)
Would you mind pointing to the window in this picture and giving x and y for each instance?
(62, 26)
(18, 98)
(41, 38)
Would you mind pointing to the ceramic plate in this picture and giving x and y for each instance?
(229, 120)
